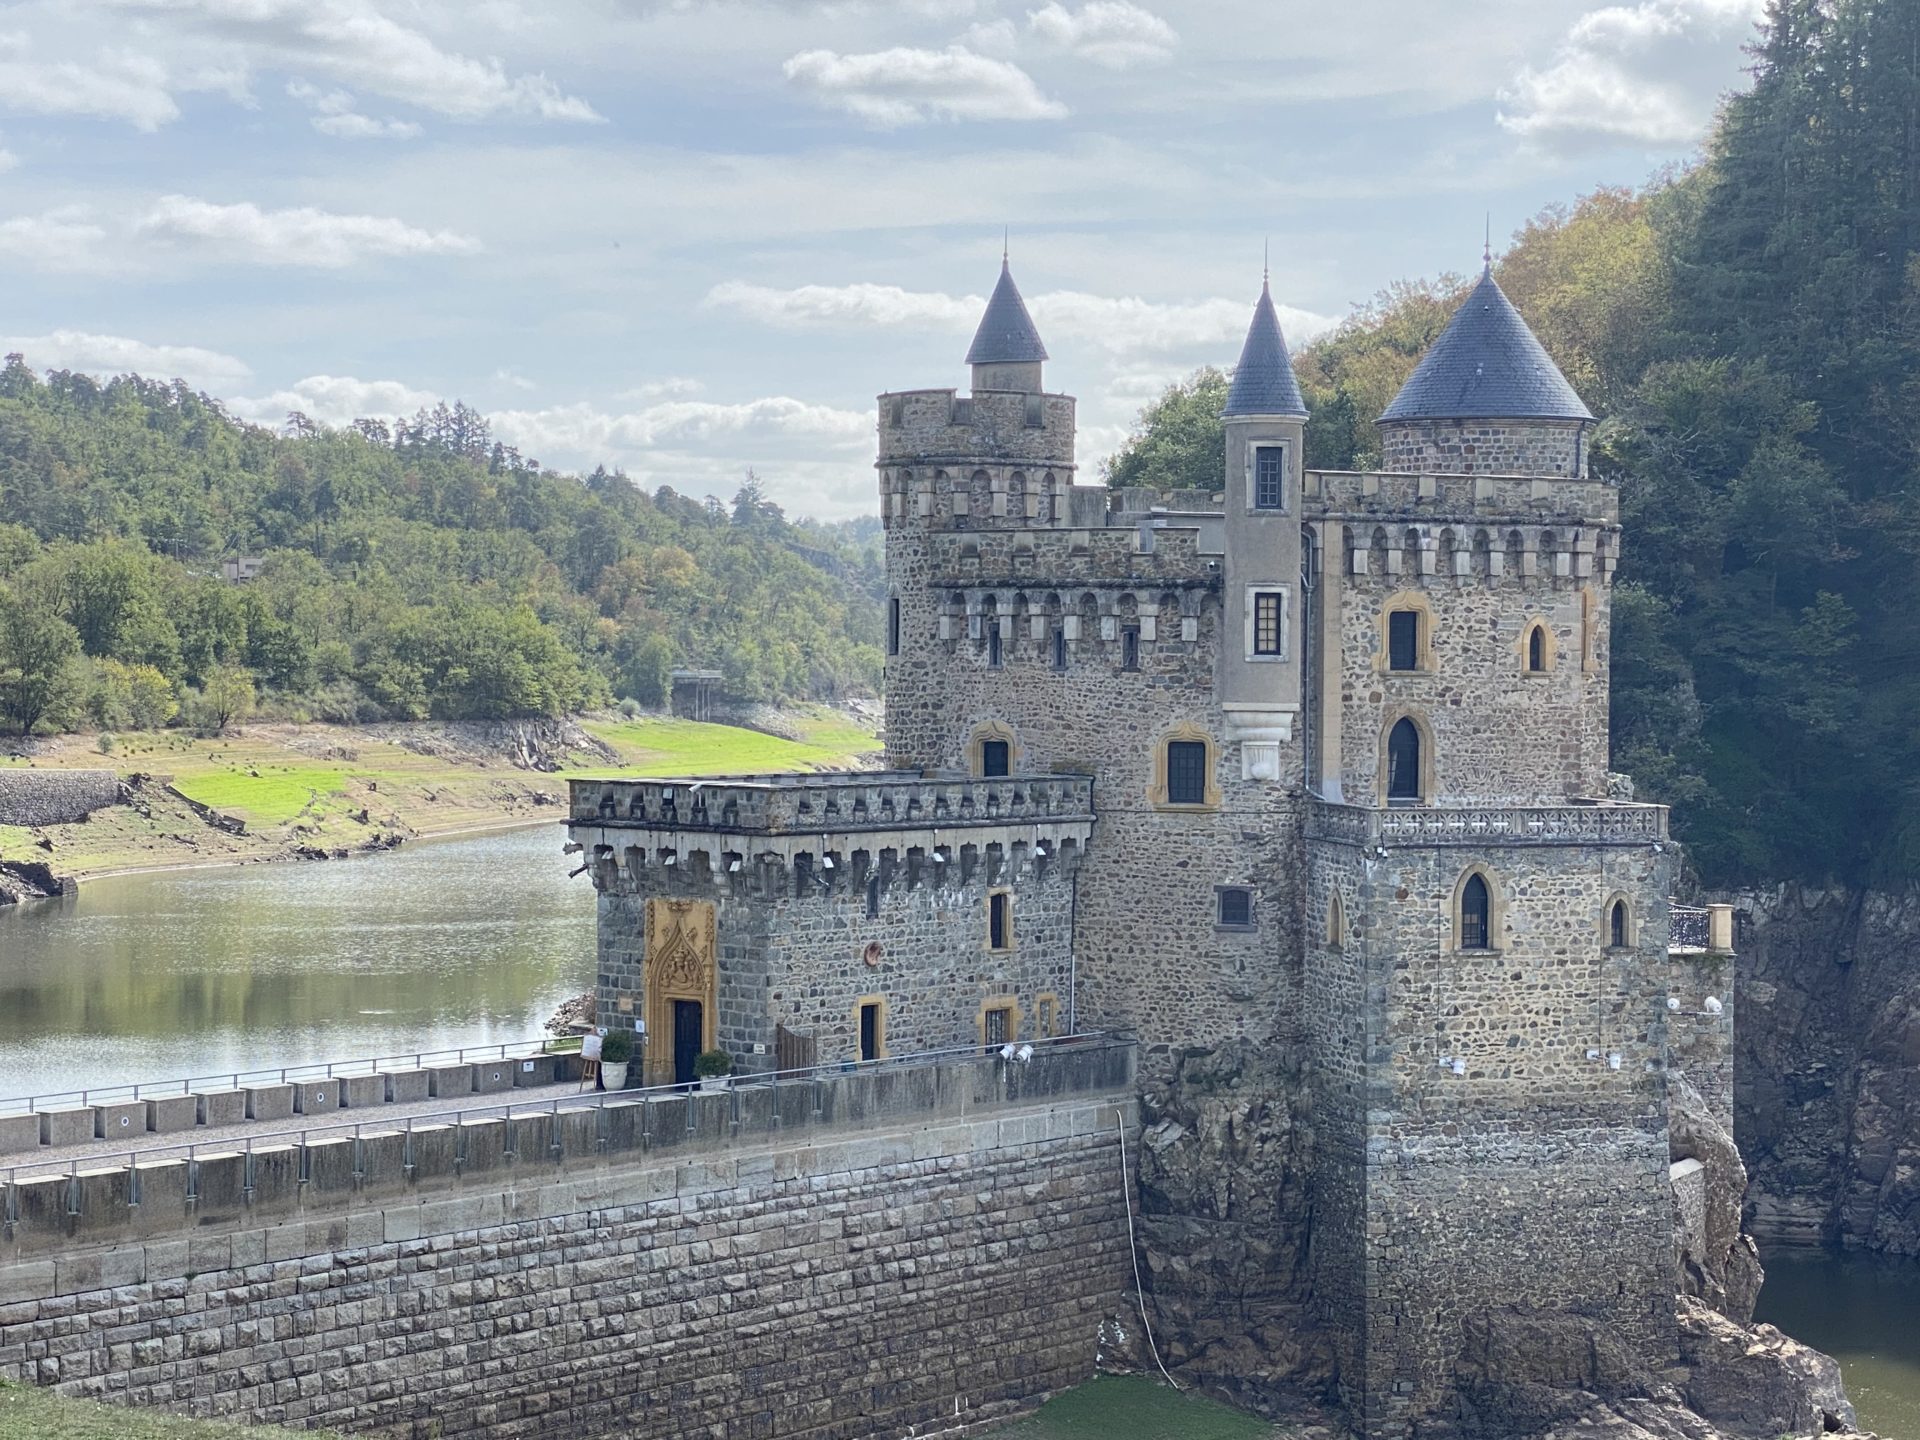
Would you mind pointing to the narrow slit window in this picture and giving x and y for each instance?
(993, 645)
(1537, 649)
(1403, 640)
(1046, 1017)
(1269, 478)
(1476, 903)
(873, 897)
(996, 759)
(1267, 613)
(1059, 647)
(1000, 921)
(1617, 925)
(1130, 648)
(1186, 772)
(893, 625)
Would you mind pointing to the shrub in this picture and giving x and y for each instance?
(617, 1048)
(712, 1064)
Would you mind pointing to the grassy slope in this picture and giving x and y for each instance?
(312, 784)
(36, 1415)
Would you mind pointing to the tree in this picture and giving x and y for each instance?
(37, 654)
(1179, 442)
(226, 698)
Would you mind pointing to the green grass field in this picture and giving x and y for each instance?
(690, 747)
(276, 795)
(1131, 1407)
(27, 1414)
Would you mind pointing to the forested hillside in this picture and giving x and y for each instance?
(1749, 333)
(412, 571)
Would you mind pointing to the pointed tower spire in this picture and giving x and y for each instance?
(1487, 365)
(1006, 352)
(1263, 381)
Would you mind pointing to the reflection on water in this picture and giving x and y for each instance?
(194, 972)
(1864, 1311)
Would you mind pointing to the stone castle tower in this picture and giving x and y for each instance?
(1311, 757)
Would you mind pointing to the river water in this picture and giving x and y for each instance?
(195, 972)
(1865, 1312)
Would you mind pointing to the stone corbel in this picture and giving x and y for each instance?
(1260, 730)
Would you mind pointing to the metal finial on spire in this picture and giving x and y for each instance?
(1006, 243)
(1266, 272)
(1486, 255)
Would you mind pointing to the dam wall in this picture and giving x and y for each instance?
(907, 1248)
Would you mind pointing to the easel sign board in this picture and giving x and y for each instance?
(590, 1047)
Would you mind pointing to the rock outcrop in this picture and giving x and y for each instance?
(1224, 1172)
(1719, 1264)
(1828, 1068)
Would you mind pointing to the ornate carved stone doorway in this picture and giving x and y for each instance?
(681, 965)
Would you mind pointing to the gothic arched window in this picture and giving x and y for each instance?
(1476, 910)
(1403, 761)
(1617, 924)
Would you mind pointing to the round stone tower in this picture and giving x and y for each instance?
(1486, 400)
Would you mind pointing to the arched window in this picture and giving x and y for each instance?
(1403, 761)
(1336, 923)
(993, 750)
(1476, 911)
(1537, 649)
(1617, 925)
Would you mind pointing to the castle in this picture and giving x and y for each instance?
(1310, 756)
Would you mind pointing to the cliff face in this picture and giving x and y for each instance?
(1224, 1222)
(1827, 1073)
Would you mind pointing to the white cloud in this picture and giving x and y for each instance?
(506, 375)
(582, 429)
(1112, 33)
(905, 86)
(334, 114)
(303, 236)
(1647, 73)
(118, 355)
(336, 400)
(133, 88)
(63, 239)
(353, 41)
(8, 160)
(673, 387)
(1117, 324)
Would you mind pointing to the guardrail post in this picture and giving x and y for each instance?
(1720, 929)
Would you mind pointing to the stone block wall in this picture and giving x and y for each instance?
(927, 1272)
(55, 797)
(1701, 1038)
(1497, 732)
(1486, 447)
(1492, 1123)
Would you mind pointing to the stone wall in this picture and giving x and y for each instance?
(1522, 1086)
(55, 797)
(1496, 731)
(1485, 447)
(951, 1263)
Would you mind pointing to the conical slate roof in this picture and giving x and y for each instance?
(1006, 335)
(1487, 365)
(1263, 382)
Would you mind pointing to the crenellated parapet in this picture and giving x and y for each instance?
(799, 834)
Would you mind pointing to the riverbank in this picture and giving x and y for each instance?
(280, 791)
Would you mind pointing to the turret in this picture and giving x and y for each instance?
(1006, 353)
(1486, 399)
(1265, 418)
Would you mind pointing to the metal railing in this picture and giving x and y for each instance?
(149, 1157)
(286, 1075)
(1687, 927)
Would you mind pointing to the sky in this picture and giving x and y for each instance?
(689, 237)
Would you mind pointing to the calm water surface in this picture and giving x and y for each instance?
(1865, 1312)
(194, 972)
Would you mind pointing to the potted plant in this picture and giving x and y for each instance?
(711, 1068)
(616, 1053)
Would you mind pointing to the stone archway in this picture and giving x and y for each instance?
(681, 965)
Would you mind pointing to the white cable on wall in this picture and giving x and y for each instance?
(1133, 1249)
